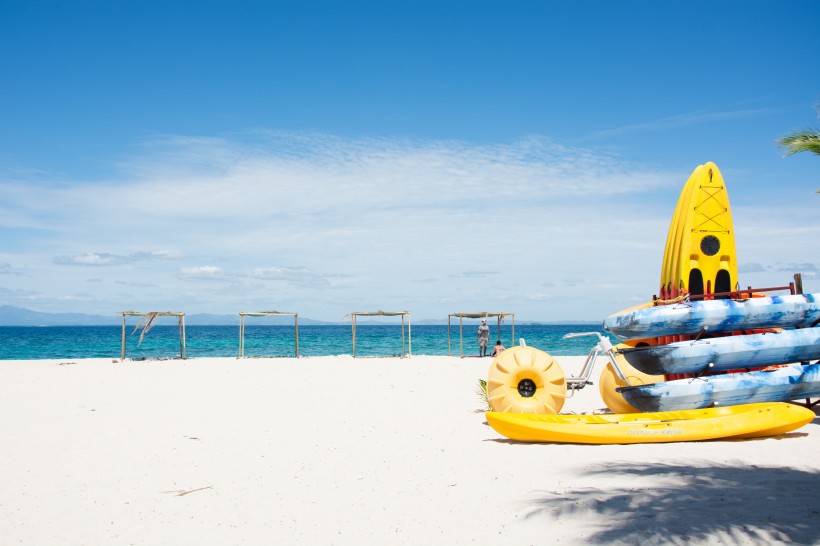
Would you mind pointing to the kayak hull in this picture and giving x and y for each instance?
(748, 421)
(778, 385)
(726, 353)
(716, 316)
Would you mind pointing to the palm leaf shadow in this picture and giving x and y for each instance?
(694, 502)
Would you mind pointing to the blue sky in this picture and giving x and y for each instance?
(326, 157)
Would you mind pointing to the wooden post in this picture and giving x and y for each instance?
(461, 336)
(448, 335)
(122, 356)
(409, 338)
(241, 335)
(512, 339)
(402, 336)
(182, 350)
(354, 335)
(798, 283)
(296, 328)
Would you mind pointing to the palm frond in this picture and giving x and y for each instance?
(146, 323)
(481, 391)
(802, 141)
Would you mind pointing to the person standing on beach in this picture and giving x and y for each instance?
(483, 338)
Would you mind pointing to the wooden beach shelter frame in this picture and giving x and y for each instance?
(149, 319)
(403, 314)
(244, 314)
(483, 315)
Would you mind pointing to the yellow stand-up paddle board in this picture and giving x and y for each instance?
(673, 240)
(700, 256)
(747, 421)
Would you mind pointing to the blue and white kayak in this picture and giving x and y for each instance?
(727, 353)
(717, 316)
(779, 385)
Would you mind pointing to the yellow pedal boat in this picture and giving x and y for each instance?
(745, 421)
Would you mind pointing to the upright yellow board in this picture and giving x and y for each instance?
(700, 256)
(674, 237)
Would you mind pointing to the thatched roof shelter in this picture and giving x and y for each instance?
(482, 315)
(244, 314)
(403, 314)
(147, 322)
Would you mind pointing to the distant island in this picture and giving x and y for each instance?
(18, 316)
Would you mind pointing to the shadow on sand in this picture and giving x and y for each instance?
(695, 501)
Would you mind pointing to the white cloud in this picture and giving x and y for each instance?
(92, 258)
(75, 297)
(279, 272)
(799, 268)
(202, 272)
(323, 225)
(137, 284)
(473, 274)
(684, 120)
(300, 277)
(538, 297)
(750, 268)
(329, 181)
(106, 258)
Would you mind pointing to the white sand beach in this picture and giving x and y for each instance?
(336, 450)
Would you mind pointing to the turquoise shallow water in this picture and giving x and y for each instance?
(33, 343)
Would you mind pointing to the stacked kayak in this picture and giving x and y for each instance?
(785, 383)
(721, 354)
(727, 353)
(716, 316)
(699, 327)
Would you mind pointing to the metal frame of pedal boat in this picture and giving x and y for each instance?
(603, 347)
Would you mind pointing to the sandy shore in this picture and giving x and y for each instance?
(334, 450)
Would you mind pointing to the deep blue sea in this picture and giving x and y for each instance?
(58, 342)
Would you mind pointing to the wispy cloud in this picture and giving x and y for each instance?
(750, 268)
(108, 259)
(300, 277)
(804, 267)
(538, 296)
(93, 258)
(473, 274)
(327, 178)
(137, 284)
(202, 272)
(684, 120)
(321, 225)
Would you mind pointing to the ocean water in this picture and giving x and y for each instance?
(67, 342)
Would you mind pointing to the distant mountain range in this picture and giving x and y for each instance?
(18, 316)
